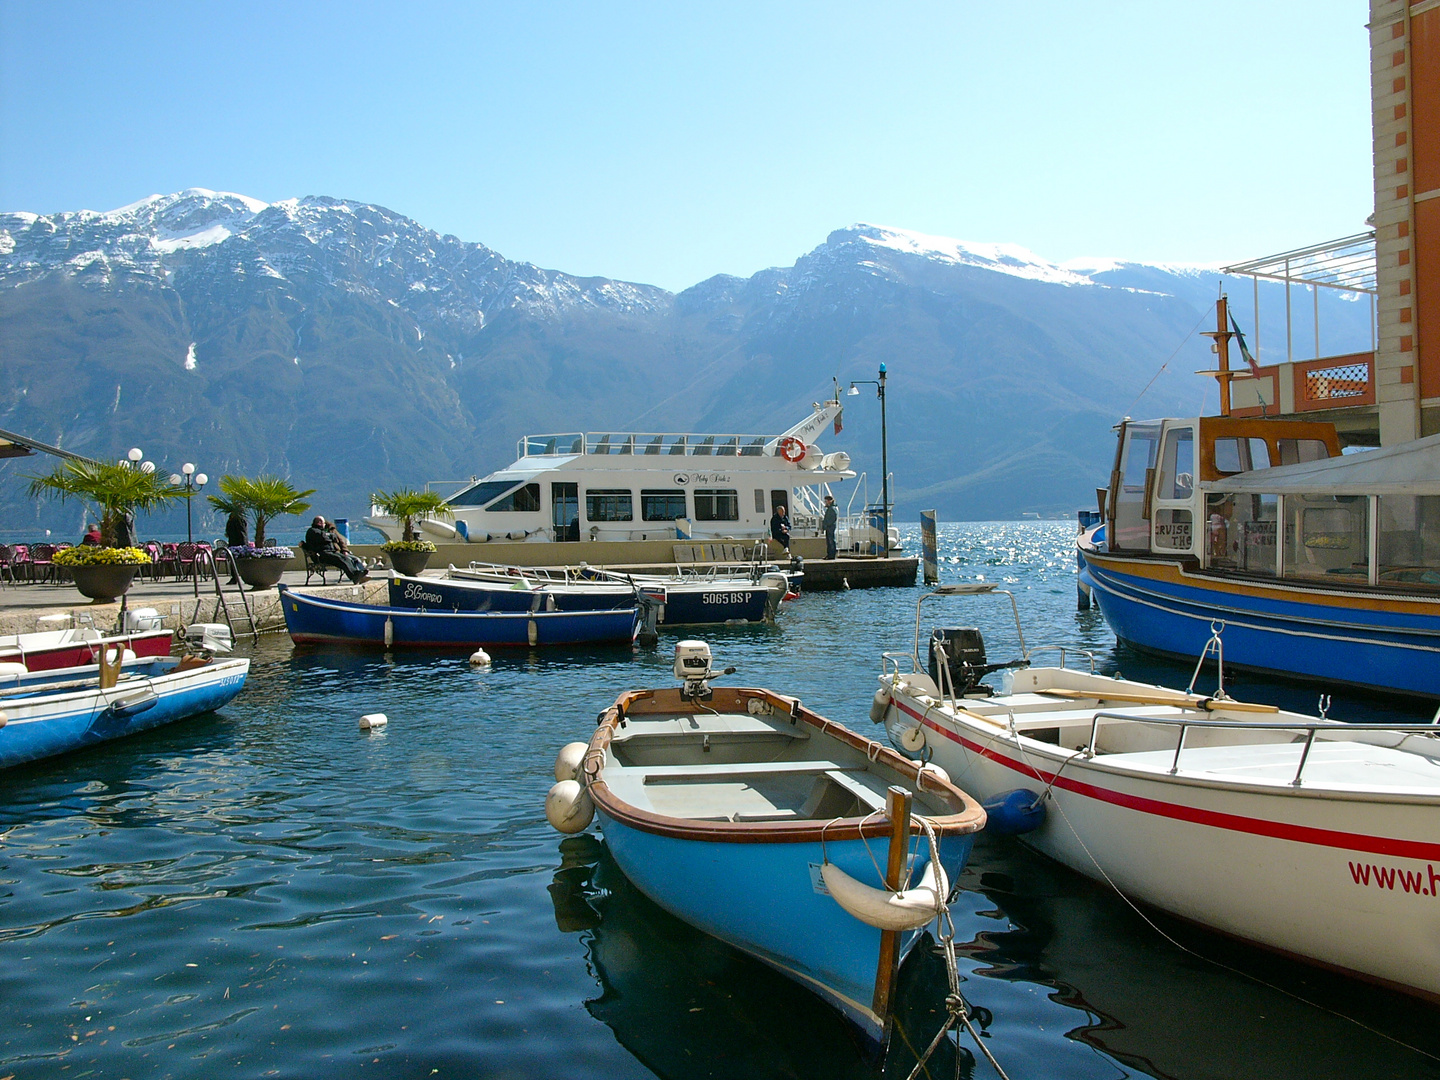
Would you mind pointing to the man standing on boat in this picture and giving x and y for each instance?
(828, 523)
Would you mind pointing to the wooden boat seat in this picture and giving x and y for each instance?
(749, 791)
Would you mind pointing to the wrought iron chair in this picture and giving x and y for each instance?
(40, 562)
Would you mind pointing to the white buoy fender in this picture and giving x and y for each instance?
(569, 760)
(568, 807)
(480, 658)
(371, 721)
(934, 770)
(912, 739)
(907, 910)
(880, 705)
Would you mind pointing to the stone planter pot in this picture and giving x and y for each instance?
(103, 583)
(261, 573)
(409, 563)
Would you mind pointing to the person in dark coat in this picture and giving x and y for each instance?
(326, 546)
(237, 533)
(780, 527)
(828, 523)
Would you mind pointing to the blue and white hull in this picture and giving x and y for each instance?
(76, 713)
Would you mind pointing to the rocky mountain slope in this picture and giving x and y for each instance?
(349, 347)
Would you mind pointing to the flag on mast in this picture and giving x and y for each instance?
(1244, 350)
(838, 414)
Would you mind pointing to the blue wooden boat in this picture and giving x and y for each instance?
(1325, 569)
(318, 620)
(734, 809)
(449, 594)
(52, 712)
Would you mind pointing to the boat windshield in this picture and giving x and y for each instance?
(483, 493)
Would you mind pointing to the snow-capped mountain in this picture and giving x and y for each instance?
(349, 346)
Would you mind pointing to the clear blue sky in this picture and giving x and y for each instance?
(667, 142)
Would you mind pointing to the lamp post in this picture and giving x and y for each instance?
(879, 385)
(192, 482)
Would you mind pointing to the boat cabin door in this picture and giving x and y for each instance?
(1129, 525)
(1174, 508)
(565, 510)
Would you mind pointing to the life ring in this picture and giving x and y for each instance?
(792, 449)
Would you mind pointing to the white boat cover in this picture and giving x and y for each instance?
(1411, 468)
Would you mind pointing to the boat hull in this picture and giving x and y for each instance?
(1331, 635)
(766, 899)
(1350, 881)
(66, 651)
(47, 724)
(312, 620)
(442, 595)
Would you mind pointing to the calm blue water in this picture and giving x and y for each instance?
(268, 891)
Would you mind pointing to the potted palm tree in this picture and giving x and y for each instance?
(104, 571)
(261, 563)
(410, 554)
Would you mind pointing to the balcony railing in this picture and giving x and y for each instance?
(1330, 382)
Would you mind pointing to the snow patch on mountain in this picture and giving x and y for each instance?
(1011, 259)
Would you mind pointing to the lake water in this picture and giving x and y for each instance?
(269, 891)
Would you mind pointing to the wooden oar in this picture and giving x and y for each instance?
(66, 684)
(1212, 704)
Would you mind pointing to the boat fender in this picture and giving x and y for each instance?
(134, 705)
(389, 632)
(569, 760)
(3, 719)
(933, 769)
(568, 807)
(533, 632)
(13, 671)
(880, 705)
(479, 658)
(907, 910)
(373, 721)
(1013, 812)
(913, 738)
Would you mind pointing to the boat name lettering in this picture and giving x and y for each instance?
(1172, 534)
(723, 598)
(414, 591)
(703, 478)
(1421, 883)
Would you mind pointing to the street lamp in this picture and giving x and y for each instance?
(192, 482)
(879, 385)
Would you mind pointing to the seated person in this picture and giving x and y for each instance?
(92, 536)
(327, 547)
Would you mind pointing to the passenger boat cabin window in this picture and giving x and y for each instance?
(1240, 532)
(608, 505)
(1242, 455)
(717, 504)
(662, 505)
(523, 500)
(1177, 465)
(1327, 536)
(760, 501)
(483, 494)
(1409, 540)
(1294, 451)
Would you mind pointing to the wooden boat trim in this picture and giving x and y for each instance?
(967, 815)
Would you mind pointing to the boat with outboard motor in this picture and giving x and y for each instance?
(644, 486)
(752, 818)
(678, 600)
(1303, 834)
(55, 711)
(1323, 566)
(45, 650)
(313, 620)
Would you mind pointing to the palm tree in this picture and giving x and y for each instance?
(117, 491)
(406, 504)
(265, 497)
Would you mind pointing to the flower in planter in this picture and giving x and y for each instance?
(407, 545)
(91, 555)
(250, 551)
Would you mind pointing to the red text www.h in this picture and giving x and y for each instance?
(1423, 883)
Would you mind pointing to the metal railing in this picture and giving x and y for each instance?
(646, 443)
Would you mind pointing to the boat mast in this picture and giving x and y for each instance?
(1221, 336)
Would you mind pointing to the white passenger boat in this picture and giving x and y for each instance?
(1316, 838)
(645, 486)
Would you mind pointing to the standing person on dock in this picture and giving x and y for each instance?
(828, 523)
(237, 534)
(780, 527)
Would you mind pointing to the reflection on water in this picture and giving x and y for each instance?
(268, 890)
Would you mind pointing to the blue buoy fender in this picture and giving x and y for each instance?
(1013, 812)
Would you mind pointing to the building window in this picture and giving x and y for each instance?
(662, 505)
(717, 504)
(609, 505)
(522, 500)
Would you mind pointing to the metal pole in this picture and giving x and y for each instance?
(190, 537)
(884, 475)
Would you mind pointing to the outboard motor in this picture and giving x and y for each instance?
(692, 668)
(962, 650)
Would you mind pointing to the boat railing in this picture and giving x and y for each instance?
(1064, 651)
(647, 443)
(1310, 729)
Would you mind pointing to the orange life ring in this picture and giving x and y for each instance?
(791, 448)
